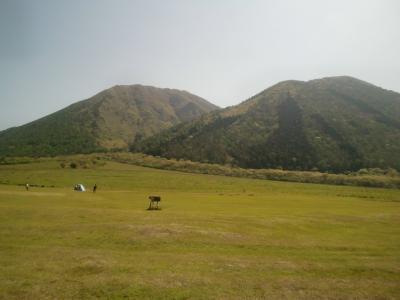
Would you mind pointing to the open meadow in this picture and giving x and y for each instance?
(216, 237)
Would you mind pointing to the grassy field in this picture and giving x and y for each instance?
(215, 237)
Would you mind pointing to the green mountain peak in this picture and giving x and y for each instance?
(330, 124)
(112, 119)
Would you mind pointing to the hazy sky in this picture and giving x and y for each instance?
(54, 53)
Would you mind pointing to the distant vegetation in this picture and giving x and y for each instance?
(373, 177)
(334, 124)
(331, 125)
(110, 120)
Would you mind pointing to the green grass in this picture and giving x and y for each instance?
(215, 237)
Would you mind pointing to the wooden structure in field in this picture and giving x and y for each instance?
(154, 202)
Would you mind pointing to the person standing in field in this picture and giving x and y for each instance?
(27, 186)
(94, 188)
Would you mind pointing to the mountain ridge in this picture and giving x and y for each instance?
(111, 119)
(331, 124)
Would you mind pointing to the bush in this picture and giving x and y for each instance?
(365, 177)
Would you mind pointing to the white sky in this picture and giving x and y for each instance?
(54, 53)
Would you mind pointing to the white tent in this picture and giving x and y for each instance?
(79, 187)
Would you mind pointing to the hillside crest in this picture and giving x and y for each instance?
(112, 119)
(330, 124)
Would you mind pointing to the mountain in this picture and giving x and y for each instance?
(330, 124)
(112, 119)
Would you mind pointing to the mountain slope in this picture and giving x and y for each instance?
(334, 124)
(112, 119)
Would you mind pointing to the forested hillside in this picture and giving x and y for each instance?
(330, 124)
(111, 120)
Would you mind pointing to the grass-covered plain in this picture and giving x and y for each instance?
(215, 238)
